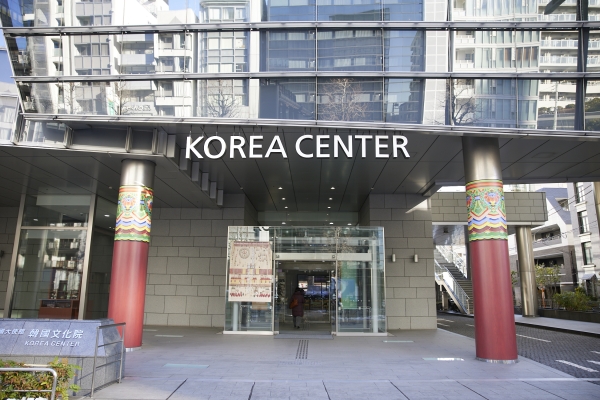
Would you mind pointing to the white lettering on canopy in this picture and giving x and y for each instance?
(320, 143)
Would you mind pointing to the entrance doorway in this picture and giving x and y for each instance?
(316, 281)
(341, 270)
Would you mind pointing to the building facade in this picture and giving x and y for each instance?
(583, 207)
(177, 137)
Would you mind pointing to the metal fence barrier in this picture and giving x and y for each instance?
(120, 360)
(50, 370)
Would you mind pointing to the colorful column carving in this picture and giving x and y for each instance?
(130, 254)
(495, 336)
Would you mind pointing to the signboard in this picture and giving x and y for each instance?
(251, 272)
(64, 338)
(306, 146)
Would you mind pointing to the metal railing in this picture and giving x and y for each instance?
(460, 297)
(120, 360)
(36, 369)
(453, 257)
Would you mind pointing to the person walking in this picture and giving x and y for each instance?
(297, 306)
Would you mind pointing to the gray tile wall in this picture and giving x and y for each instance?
(520, 207)
(410, 286)
(8, 228)
(187, 261)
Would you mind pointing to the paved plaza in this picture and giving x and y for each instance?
(201, 363)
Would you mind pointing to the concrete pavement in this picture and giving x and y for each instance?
(178, 363)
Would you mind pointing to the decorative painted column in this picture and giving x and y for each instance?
(130, 254)
(527, 271)
(495, 336)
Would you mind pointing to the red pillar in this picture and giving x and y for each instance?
(495, 336)
(130, 254)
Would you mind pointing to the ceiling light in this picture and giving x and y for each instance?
(286, 207)
(35, 219)
(283, 198)
(332, 188)
(349, 224)
(283, 223)
(331, 223)
(328, 207)
(331, 198)
(106, 215)
(280, 188)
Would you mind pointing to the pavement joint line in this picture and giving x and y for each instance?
(478, 394)
(251, 390)
(529, 337)
(392, 383)
(326, 391)
(577, 366)
(180, 385)
(470, 325)
(439, 323)
(442, 319)
(553, 394)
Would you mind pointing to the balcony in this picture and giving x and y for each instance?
(558, 17)
(135, 38)
(137, 59)
(459, 13)
(464, 39)
(562, 43)
(558, 60)
(551, 241)
(463, 64)
(571, 2)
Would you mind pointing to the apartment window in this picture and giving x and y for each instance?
(579, 192)
(584, 225)
(587, 253)
(166, 41)
(564, 204)
(167, 89)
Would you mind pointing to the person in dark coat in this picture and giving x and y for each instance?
(298, 310)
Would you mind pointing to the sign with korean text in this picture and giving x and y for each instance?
(41, 337)
(251, 272)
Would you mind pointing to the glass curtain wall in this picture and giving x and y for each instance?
(254, 301)
(373, 54)
(50, 257)
(64, 255)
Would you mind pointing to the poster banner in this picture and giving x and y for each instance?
(251, 272)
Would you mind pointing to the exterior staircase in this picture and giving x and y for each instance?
(456, 283)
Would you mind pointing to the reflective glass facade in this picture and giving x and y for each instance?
(394, 62)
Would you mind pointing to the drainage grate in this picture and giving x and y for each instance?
(302, 352)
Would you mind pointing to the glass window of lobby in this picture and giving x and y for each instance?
(426, 63)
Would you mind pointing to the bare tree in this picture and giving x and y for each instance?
(70, 97)
(463, 106)
(220, 101)
(119, 99)
(341, 101)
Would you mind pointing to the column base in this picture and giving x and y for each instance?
(497, 361)
(130, 349)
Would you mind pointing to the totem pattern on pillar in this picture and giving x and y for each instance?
(134, 214)
(487, 213)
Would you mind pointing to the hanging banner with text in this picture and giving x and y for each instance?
(250, 272)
